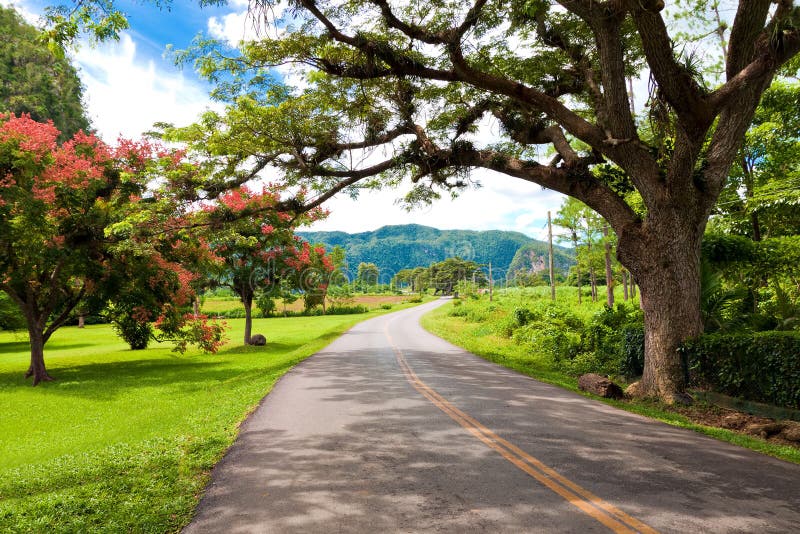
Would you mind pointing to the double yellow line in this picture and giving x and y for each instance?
(593, 506)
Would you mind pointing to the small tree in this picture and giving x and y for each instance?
(367, 275)
(256, 252)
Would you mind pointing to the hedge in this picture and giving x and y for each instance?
(762, 367)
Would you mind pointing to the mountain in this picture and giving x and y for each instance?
(406, 246)
(532, 257)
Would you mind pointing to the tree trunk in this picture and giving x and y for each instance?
(625, 285)
(669, 283)
(609, 274)
(248, 317)
(577, 264)
(592, 276)
(37, 369)
(81, 321)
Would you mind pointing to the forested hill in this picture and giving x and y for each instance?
(393, 248)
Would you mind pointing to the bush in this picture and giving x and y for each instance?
(458, 311)
(632, 350)
(386, 306)
(762, 367)
(604, 337)
(346, 310)
(136, 334)
(522, 316)
(266, 305)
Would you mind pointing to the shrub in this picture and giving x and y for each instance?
(506, 326)
(266, 305)
(522, 316)
(763, 367)
(346, 310)
(632, 350)
(136, 334)
(458, 311)
(386, 306)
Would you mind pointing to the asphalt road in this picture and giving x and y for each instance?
(391, 429)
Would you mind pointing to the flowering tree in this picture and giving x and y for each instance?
(257, 252)
(70, 229)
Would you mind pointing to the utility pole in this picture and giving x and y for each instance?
(550, 250)
(609, 274)
(491, 282)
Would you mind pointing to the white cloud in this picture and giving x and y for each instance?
(29, 16)
(126, 94)
(241, 25)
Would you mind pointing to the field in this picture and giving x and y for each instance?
(123, 440)
(212, 305)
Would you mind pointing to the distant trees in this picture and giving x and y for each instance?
(367, 275)
(443, 276)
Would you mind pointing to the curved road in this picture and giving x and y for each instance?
(391, 429)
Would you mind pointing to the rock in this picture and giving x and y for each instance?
(765, 430)
(791, 432)
(258, 340)
(734, 421)
(634, 390)
(600, 385)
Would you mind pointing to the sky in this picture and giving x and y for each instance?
(132, 84)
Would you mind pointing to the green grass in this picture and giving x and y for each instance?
(123, 440)
(478, 334)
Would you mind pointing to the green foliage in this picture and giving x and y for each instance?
(632, 350)
(575, 340)
(763, 367)
(367, 274)
(10, 317)
(36, 81)
(136, 334)
(266, 304)
(604, 339)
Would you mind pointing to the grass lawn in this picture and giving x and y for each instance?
(480, 337)
(123, 440)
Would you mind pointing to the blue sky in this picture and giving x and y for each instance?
(130, 85)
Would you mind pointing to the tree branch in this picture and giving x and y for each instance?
(748, 24)
(678, 85)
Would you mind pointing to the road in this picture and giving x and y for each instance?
(391, 429)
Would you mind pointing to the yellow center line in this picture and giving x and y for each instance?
(607, 514)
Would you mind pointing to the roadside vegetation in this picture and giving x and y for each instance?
(123, 441)
(556, 341)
